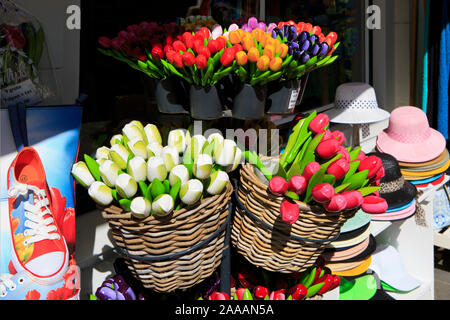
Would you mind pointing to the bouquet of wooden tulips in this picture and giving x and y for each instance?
(314, 281)
(315, 167)
(144, 177)
(256, 53)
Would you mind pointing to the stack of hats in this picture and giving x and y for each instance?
(420, 150)
(350, 254)
(399, 194)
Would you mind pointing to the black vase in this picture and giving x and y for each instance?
(205, 103)
(249, 102)
(169, 96)
(282, 96)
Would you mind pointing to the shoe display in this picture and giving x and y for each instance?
(25, 286)
(37, 244)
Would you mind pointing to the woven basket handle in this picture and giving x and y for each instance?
(251, 215)
(176, 255)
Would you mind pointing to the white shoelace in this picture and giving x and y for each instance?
(5, 284)
(38, 228)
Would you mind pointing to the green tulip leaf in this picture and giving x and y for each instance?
(143, 187)
(368, 190)
(166, 185)
(175, 190)
(357, 180)
(329, 178)
(115, 195)
(293, 171)
(342, 187)
(354, 153)
(311, 149)
(292, 195)
(281, 172)
(308, 277)
(93, 167)
(327, 164)
(157, 188)
(125, 204)
(312, 291)
(353, 168)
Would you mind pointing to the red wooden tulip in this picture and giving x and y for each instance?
(201, 62)
(339, 136)
(214, 46)
(308, 27)
(179, 46)
(222, 42)
(354, 199)
(328, 282)
(379, 174)
(289, 212)
(276, 295)
(205, 32)
(105, 42)
(204, 51)
(219, 296)
(373, 164)
(298, 292)
(310, 169)
(327, 135)
(157, 53)
(188, 40)
(319, 123)
(362, 156)
(260, 292)
(188, 59)
(227, 57)
(168, 48)
(323, 192)
(243, 278)
(178, 60)
(237, 48)
(240, 293)
(298, 184)
(374, 205)
(328, 149)
(278, 186)
(333, 37)
(317, 275)
(339, 168)
(337, 203)
(336, 282)
(345, 153)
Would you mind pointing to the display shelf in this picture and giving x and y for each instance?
(378, 227)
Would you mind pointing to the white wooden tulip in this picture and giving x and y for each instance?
(82, 174)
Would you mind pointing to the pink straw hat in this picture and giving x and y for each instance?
(409, 137)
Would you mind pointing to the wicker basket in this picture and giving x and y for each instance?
(259, 234)
(173, 252)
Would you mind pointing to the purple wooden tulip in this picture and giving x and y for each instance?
(314, 50)
(262, 26)
(291, 33)
(302, 37)
(246, 28)
(304, 58)
(323, 49)
(252, 23)
(297, 54)
(313, 38)
(305, 45)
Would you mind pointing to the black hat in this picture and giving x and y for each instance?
(394, 188)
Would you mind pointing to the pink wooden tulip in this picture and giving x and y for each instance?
(289, 212)
(240, 293)
(328, 149)
(323, 192)
(345, 153)
(354, 199)
(336, 204)
(319, 123)
(374, 205)
(362, 156)
(373, 164)
(339, 136)
(339, 168)
(379, 174)
(278, 186)
(327, 135)
(298, 184)
(310, 169)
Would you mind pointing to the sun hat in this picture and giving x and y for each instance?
(409, 137)
(350, 242)
(361, 288)
(441, 159)
(344, 236)
(427, 173)
(433, 180)
(429, 167)
(369, 246)
(393, 187)
(381, 293)
(355, 103)
(399, 208)
(400, 215)
(348, 253)
(362, 268)
(360, 219)
(387, 263)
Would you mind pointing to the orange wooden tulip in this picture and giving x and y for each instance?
(257, 33)
(248, 42)
(241, 33)
(241, 58)
(264, 38)
(269, 51)
(275, 64)
(234, 37)
(283, 50)
(253, 55)
(263, 63)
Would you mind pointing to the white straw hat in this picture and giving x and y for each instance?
(355, 103)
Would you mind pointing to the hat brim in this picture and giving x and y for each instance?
(427, 173)
(400, 197)
(412, 152)
(360, 219)
(351, 242)
(356, 116)
(344, 236)
(363, 267)
(368, 247)
(362, 288)
(387, 263)
(348, 253)
(400, 215)
(442, 159)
